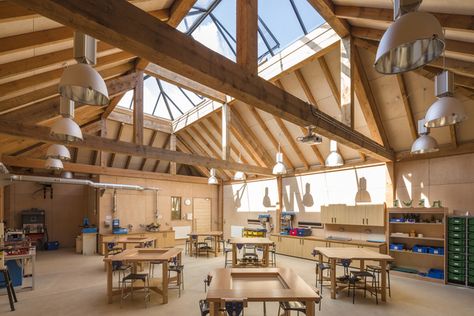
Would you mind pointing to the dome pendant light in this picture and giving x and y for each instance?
(279, 168)
(425, 143)
(213, 179)
(447, 110)
(240, 175)
(65, 129)
(334, 159)
(362, 195)
(53, 164)
(58, 152)
(412, 41)
(81, 82)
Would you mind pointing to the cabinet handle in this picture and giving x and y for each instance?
(367, 221)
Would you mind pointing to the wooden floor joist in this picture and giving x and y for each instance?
(183, 55)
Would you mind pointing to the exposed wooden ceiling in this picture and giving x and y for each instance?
(34, 49)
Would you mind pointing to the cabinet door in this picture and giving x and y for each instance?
(374, 215)
(340, 214)
(326, 214)
(309, 245)
(355, 215)
(291, 246)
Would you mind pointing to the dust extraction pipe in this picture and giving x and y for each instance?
(97, 185)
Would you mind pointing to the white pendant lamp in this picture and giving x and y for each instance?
(279, 168)
(58, 152)
(425, 143)
(81, 82)
(362, 195)
(240, 175)
(53, 164)
(213, 179)
(334, 159)
(65, 128)
(413, 40)
(447, 110)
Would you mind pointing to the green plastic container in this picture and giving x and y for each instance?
(457, 220)
(457, 256)
(456, 249)
(457, 264)
(470, 271)
(456, 277)
(456, 228)
(459, 235)
(457, 242)
(471, 259)
(471, 281)
(470, 228)
(470, 250)
(457, 270)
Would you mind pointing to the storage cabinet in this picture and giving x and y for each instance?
(362, 215)
(460, 263)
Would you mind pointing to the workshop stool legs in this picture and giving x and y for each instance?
(9, 285)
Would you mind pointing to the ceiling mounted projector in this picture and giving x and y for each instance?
(310, 138)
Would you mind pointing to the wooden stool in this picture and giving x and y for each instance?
(9, 285)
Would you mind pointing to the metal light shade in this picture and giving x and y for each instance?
(445, 111)
(66, 129)
(413, 40)
(334, 159)
(58, 152)
(362, 195)
(424, 144)
(279, 167)
(213, 179)
(82, 83)
(53, 164)
(240, 176)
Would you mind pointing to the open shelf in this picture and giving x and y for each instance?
(419, 238)
(417, 253)
(406, 223)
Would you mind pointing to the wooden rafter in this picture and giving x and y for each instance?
(42, 133)
(326, 10)
(330, 80)
(204, 65)
(181, 145)
(291, 141)
(165, 145)
(179, 9)
(368, 103)
(270, 136)
(451, 21)
(407, 106)
(172, 146)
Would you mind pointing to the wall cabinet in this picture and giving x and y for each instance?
(363, 215)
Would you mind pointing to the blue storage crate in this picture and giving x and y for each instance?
(88, 230)
(397, 220)
(420, 249)
(303, 231)
(435, 274)
(51, 245)
(120, 231)
(395, 246)
(14, 268)
(436, 250)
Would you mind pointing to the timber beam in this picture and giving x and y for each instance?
(179, 53)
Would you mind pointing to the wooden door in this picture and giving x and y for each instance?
(374, 215)
(202, 215)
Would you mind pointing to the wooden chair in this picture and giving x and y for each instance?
(7, 281)
(320, 268)
(227, 251)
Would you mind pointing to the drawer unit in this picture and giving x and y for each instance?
(457, 228)
(456, 278)
(456, 264)
(457, 242)
(459, 235)
(457, 256)
(458, 249)
(457, 221)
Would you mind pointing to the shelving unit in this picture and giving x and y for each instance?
(460, 263)
(430, 222)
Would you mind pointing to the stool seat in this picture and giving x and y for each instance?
(296, 306)
(136, 276)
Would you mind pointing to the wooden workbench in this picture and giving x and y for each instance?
(258, 242)
(140, 255)
(217, 236)
(259, 285)
(334, 254)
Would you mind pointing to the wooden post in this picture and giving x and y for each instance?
(226, 131)
(247, 23)
(280, 203)
(220, 201)
(103, 133)
(138, 110)
(390, 185)
(173, 147)
(347, 86)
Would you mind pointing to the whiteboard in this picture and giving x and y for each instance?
(181, 232)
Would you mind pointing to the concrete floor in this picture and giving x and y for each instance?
(71, 284)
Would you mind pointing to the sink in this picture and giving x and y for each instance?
(338, 238)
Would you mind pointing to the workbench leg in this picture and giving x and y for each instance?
(266, 255)
(333, 278)
(213, 309)
(164, 282)
(383, 284)
(320, 271)
(310, 308)
(234, 255)
(33, 273)
(362, 265)
(106, 252)
(216, 242)
(109, 282)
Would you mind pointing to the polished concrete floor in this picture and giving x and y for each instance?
(71, 284)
